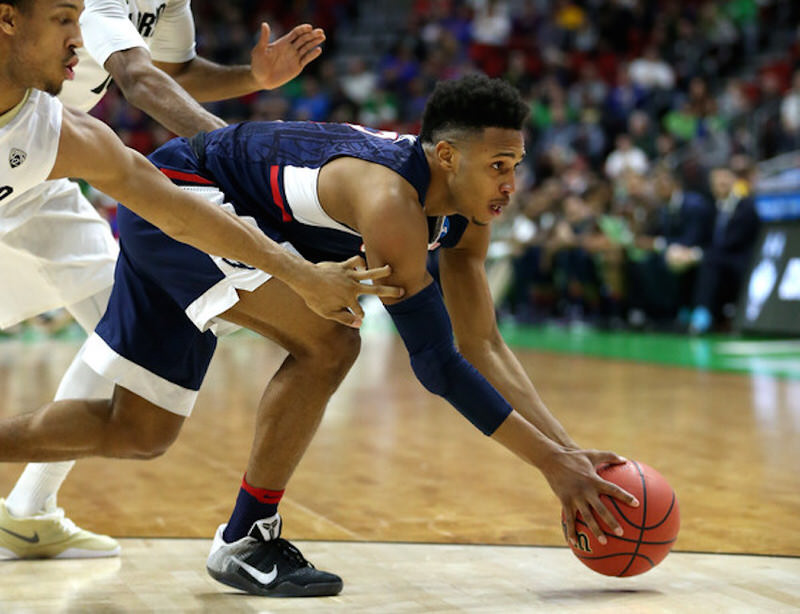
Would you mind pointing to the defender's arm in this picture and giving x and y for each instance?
(89, 149)
(272, 65)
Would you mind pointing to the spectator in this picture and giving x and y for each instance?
(661, 273)
(359, 83)
(790, 114)
(725, 260)
(626, 157)
(651, 71)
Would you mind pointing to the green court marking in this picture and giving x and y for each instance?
(713, 352)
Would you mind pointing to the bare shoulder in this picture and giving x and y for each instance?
(86, 148)
(358, 193)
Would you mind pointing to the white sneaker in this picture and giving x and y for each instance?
(49, 536)
(262, 563)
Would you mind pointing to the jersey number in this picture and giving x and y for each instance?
(5, 190)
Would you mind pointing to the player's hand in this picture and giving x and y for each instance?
(573, 477)
(273, 64)
(333, 288)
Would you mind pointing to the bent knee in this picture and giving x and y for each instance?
(334, 351)
(138, 429)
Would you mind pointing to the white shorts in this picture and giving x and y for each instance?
(55, 250)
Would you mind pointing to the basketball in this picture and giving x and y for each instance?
(650, 530)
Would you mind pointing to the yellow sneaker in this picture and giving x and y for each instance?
(49, 536)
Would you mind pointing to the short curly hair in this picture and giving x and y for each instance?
(472, 103)
(20, 4)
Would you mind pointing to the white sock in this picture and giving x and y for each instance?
(41, 481)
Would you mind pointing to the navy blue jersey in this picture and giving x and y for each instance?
(253, 164)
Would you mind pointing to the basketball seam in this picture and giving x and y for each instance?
(644, 521)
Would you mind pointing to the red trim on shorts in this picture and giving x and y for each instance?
(264, 495)
(181, 176)
(276, 192)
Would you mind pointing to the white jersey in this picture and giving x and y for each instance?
(165, 27)
(28, 145)
(55, 249)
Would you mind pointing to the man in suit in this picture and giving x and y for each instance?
(661, 282)
(724, 262)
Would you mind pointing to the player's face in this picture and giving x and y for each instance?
(483, 175)
(46, 33)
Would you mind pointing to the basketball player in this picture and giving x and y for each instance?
(54, 249)
(141, 44)
(322, 190)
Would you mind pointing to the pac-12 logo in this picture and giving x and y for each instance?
(16, 157)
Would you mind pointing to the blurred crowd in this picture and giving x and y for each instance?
(634, 204)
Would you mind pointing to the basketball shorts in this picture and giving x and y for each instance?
(55, 250)
(159, 332)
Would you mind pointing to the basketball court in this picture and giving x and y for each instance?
(417, 511)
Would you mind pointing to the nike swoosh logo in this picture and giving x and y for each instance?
(260, 576)
(30, 540)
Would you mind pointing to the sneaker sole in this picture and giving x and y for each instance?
(69, 553)
(284, 589)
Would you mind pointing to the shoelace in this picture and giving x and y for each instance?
(66, 524)
(291, 552)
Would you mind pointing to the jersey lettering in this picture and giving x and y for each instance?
(5, 191)
(148, 21)
(103, 86)
(238, 265)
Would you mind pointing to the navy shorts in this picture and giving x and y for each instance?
(159, 331)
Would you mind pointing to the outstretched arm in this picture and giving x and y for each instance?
(470, 305)
(89, 149)
(271, 65)
(395, 233)
(156, 93)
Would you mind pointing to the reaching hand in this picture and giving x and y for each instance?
(573, 477)
(333, 289)
(273, 64)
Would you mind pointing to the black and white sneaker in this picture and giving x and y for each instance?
(262, 563)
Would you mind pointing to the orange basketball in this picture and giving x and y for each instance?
(650, 529)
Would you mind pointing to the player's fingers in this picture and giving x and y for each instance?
(308, 40)
(606, 515)
(599, 457)
(569, 526)
(378, 273)
(612, 490)
(591, 522)
(355, 309)
(355, 262)
(385, 291)
(297, 31)
(310, 56)
(346, 317)
(265, 34)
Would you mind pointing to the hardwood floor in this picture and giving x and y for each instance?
(392, 463)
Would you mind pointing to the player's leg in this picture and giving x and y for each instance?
(84, 247)
(31, 506)
(39, 483)
(247, 552)
(125, 426)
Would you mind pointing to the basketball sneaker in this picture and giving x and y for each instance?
(262, 563)
(49, 536)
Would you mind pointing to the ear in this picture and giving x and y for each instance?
(447, 155)
(8, 19)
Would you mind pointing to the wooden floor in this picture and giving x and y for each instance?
(391, 463)
(167, 575)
